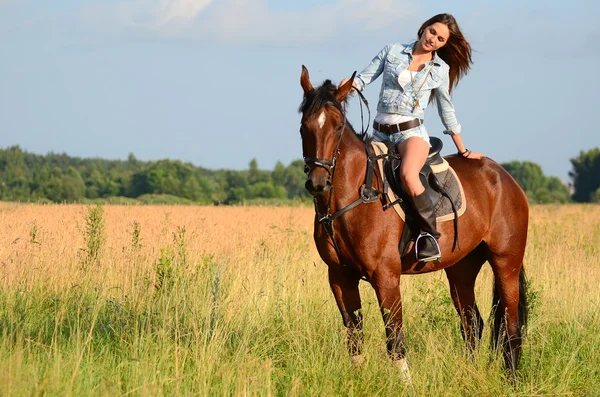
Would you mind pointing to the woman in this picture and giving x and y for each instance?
(413, 75)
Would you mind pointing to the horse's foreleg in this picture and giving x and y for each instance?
(461, 277)
(387, 289)
(344, 285)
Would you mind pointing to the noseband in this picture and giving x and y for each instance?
(328, 165)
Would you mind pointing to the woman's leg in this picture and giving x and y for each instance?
(414, 153)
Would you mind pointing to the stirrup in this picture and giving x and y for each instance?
(434, 258)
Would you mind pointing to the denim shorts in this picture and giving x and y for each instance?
(401, 136)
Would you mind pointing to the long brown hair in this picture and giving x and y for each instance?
(457, 51)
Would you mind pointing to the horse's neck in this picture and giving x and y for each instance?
(352, 152)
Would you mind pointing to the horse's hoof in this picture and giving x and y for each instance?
(357, 360)
(402, 364)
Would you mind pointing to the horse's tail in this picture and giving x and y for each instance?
(498, 314)
(523, 312)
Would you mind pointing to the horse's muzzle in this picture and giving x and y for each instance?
(318, 189)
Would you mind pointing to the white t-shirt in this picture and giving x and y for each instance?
(404, 78)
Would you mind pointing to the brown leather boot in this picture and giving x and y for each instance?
(426, 245)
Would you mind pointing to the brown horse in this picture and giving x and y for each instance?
(362, 243)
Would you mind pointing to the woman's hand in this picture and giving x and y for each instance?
(471, 155)
(463, 151)
(344, 81)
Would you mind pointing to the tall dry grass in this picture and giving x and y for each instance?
(146, 300)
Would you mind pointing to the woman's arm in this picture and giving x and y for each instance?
(446, 112)
(464, 152)
(372, 71)
(445, 106)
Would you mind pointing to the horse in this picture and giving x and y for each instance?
(360, 242)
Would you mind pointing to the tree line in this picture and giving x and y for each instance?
(29, 177)
(60, 178)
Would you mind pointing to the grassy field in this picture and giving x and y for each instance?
(207, 301)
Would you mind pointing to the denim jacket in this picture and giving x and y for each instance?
(393, 98)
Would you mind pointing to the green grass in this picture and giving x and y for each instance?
(89, 342)
(203, 325)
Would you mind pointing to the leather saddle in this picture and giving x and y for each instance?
(427, 174)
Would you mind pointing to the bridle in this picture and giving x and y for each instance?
(367, 195)
(327, 164)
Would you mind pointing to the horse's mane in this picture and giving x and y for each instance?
(321, 97)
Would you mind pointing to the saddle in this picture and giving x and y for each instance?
(434, 164)
(440, 182)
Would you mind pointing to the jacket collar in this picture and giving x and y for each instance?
(408, 49)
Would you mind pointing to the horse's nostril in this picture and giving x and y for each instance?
(309, 186)
(317, 189)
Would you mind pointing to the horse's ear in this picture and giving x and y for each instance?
(305, 81)
(344, 90)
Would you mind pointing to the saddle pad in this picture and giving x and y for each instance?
(448, 180)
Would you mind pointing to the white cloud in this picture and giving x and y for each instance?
(251, 20)
(180, 11)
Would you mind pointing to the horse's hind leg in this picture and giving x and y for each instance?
(461, 277)
(344, 285)
(509, 304)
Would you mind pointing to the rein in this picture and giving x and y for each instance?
(368, 193)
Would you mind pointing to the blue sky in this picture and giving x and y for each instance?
(216, 82)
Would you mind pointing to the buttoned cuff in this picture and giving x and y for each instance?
(455, 130)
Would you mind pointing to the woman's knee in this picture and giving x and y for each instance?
(410, 178)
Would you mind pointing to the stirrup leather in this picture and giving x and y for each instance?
(432, 258)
